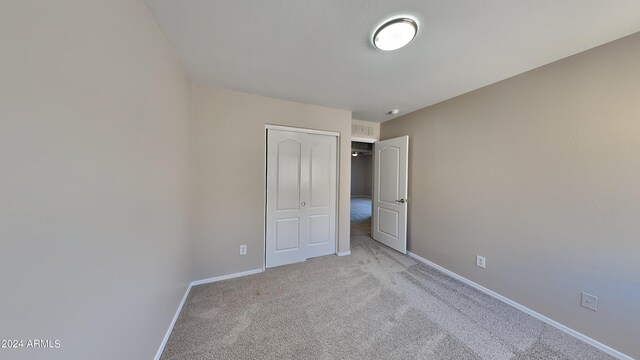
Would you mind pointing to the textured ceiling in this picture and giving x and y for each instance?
(319, 51)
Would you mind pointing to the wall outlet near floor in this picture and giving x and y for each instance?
(481, 261)
(243, 249)
(589, 301)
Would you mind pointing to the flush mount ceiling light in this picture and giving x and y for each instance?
(395, 33)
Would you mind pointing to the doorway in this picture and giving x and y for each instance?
(361, 187)
(379, 188)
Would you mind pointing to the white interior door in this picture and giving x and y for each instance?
(321, 206)
(301, 196)
(390, 192)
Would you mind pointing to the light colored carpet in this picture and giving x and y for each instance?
(360, 210)
(374, 304)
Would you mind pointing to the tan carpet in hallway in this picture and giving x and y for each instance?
(360, 210)
(374, 304)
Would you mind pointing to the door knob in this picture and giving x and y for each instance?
(303, 203)
(401, 201)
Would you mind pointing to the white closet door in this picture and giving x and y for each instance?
(301, 196)
(321, 201)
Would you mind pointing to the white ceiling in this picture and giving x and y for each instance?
(319, 51)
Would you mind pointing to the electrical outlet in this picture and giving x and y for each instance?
(243, 249)
(481, 261)
(589, 301)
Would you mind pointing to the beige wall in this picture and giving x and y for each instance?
(229, 173)
(94, 111)
(540, 173)
(362, 175)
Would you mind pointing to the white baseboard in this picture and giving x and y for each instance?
(524, 309)
(184, 299)
(173, 323)
(344, 253)
(361, 196)
(226, 277)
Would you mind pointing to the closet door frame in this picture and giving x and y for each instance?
(337, 180)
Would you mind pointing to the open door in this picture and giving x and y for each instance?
(390, 173)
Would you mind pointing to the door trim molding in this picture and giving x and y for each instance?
(364, 139)
(584, 338)
(302, 130)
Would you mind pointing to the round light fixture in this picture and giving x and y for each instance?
(395, 33)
